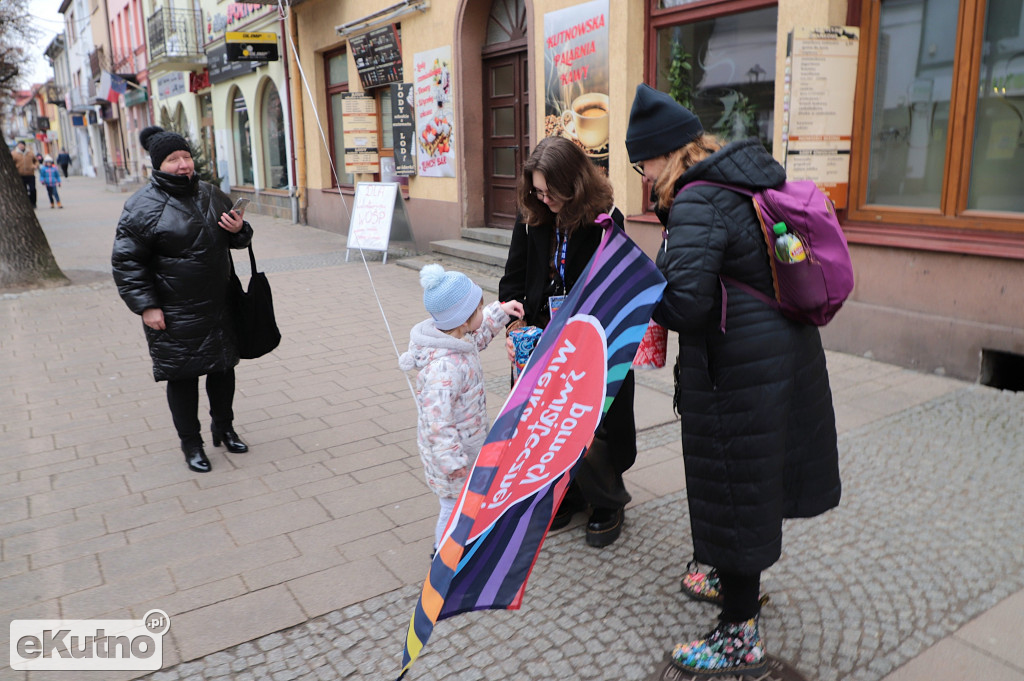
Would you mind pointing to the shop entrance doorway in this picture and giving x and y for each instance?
(506, 104)
(506, 133)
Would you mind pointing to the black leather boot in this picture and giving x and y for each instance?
(605, 526)
(196, 459)
(231, 441)
(572, 503)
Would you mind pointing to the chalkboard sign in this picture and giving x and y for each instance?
(378, 56)
(378, 209)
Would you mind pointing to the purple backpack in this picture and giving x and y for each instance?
(812, 290)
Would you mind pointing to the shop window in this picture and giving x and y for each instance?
(337, 84)
(943, 85)
(721, 65)
(275, 152)
(997, 163)
(206, 133)
(180, 122)
(243, 140)
(386, 142)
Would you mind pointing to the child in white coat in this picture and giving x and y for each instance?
(450, 395)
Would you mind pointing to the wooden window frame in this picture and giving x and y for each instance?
(382, 151)
(657, 18)
(329, 91)
(952, 227)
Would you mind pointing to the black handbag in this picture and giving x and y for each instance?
(256, 329)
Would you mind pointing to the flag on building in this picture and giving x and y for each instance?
(538, 439)
(111, 86)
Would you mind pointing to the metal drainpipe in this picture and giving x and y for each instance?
(298, 123)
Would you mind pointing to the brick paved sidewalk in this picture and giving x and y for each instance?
(327, 521)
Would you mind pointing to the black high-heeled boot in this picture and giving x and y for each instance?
(231, 440)
(196, 459)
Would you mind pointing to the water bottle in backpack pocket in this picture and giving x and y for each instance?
(813, 283)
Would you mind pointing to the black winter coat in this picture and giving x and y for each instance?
(528, 270)
(759, 431)
(170, 253)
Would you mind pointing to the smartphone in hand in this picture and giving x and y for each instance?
(240, 205)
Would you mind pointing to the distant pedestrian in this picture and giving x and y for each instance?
(64, 160)
(26, 163)
(450, 393)
(50, 178)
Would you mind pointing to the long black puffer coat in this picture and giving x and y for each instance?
(170, 253)
(759, 431)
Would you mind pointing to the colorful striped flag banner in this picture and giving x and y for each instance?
(538, 439)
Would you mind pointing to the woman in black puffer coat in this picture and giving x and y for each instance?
(759, 432)
(172, 266)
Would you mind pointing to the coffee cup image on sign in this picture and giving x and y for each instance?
(586, 120)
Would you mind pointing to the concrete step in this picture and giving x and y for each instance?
(480, 253)
(489, 235)
(488, 254)
(487, 276)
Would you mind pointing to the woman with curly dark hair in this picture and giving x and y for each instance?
(561, 192)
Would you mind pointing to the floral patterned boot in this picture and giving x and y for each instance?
(701, 586)
(730, 649)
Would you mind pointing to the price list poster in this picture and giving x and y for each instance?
(821, 70)
(359, 120)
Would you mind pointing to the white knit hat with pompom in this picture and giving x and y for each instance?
(451, 298)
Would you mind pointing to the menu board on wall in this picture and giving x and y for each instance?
(818, 104)
(378, 56)
(359, 120)
(403, 127)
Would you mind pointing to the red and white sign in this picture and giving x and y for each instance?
(370, 227)
(560, 419)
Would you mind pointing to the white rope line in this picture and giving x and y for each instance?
(337, 181)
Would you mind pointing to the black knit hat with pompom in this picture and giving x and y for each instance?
(160, 144)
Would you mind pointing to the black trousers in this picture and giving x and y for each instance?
(30, 187)
(183, 398)
(740, 596)
(613, 452)
(64, 169)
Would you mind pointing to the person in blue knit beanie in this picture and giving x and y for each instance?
(451, 399)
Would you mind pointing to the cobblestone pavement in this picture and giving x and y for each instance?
(927, 537)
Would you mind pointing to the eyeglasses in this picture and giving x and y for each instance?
(639, 167)
(539, 195)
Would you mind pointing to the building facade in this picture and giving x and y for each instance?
(931, 210)
(447, 99)
(129, 60)
(84, 140)
(236, 110)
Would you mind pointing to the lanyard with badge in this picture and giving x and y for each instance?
(561, 246)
